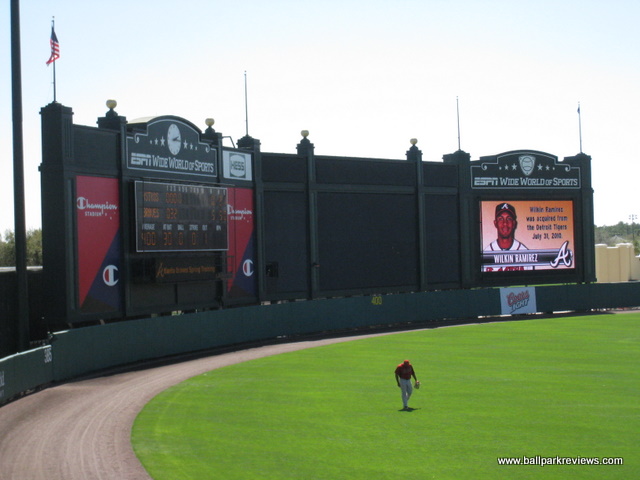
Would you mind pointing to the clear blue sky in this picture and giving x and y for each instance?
(362, 77)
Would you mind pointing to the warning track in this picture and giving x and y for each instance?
(82, 430)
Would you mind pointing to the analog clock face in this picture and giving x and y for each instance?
(174, 140)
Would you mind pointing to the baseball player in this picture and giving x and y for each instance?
(404, 372)
(506, 223)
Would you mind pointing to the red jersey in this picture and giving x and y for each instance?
(405, 370)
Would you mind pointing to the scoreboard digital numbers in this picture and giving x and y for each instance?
(172, 217)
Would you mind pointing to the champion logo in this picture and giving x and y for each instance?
(84, 204)
(239, 214)
(247, 268)
(110, 275)
(104, 209)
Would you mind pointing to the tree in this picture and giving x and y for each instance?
(619, 233)
(34, 248)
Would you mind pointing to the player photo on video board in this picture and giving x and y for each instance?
(526, 235)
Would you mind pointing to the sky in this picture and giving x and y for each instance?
(363, 77)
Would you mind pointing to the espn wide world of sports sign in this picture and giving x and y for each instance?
(525, 171)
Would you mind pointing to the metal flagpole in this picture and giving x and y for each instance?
(458, 116)
(580, 126)
(53, 24)
(246, 107)
(55, 54)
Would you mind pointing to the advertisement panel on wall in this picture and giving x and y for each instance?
(241, 262)
(236, 165)
(527, 235)
(99, 257)
(518, 300)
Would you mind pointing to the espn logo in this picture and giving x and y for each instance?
(485, 182)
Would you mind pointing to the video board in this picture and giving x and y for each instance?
(526, 235)
(175, 217)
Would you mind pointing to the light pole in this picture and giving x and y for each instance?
(18, 181)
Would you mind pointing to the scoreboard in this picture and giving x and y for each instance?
(176, 217)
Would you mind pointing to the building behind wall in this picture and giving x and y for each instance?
(617, 264)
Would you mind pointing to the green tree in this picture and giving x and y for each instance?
(7, 253)
(34, 248)
(619, 233)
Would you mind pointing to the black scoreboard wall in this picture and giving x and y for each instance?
(367, 224)
(367, 240)
(340, 226)
(286, 243)
(191, 224)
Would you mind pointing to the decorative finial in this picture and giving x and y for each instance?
(413, 141)
(111, 104)
(209, 122)
(304, 133)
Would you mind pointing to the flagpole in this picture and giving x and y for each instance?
(246, 107)
(580, 126)
(53, 24)
(458, 117)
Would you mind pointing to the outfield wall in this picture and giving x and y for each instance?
(87, 350)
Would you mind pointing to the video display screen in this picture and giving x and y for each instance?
(526, 235)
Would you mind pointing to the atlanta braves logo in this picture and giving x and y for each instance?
(565, 256)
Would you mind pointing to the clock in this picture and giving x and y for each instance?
(174, 140)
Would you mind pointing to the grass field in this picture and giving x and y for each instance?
(563, 387)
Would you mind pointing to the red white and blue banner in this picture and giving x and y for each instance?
(99, 251)
(241, 264)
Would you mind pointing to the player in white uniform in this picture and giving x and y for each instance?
(516, 245)
(506, 223)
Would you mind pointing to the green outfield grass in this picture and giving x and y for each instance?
(563, 387)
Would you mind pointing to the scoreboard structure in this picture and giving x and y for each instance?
(153, 216)
(141, 218)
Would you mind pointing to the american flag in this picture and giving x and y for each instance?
(55, 47)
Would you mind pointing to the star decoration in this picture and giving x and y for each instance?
(162, 141)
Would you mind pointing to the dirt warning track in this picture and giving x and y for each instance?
(82, 430)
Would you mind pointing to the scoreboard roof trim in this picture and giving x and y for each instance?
(522, 169)
(486, 158)
(147, 121)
